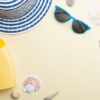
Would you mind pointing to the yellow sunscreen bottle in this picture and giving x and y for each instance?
(7, 73)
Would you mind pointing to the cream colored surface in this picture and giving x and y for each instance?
(65, 61)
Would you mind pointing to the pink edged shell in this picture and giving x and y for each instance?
(32, 84)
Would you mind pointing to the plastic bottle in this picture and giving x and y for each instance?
(7, 72)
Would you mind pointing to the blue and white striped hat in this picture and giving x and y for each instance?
(20, 15)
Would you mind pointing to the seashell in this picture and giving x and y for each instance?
(99, 43)
(15, 94)
(94, 15)
(32, 84)
(51, 96)
(70, 2)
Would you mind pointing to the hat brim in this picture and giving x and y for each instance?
(27, 21)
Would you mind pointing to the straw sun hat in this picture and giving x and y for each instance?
(20, 15)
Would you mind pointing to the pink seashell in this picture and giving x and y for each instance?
(70, 2)
(32, 84)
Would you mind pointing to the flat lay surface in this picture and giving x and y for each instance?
(64, 60)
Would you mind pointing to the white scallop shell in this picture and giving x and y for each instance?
(94, 15)
(32, 84)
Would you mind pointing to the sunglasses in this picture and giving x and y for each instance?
(63, 16)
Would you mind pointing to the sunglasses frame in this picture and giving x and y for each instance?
(71, 17)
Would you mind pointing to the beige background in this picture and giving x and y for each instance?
(65, 61)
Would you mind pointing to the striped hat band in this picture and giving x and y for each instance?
(20, 15)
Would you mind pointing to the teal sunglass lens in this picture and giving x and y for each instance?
(61, 15)
(79, 27)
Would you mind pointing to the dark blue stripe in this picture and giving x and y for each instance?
(8, 2)
(12, 5)
(28, 17)
(25, 28)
